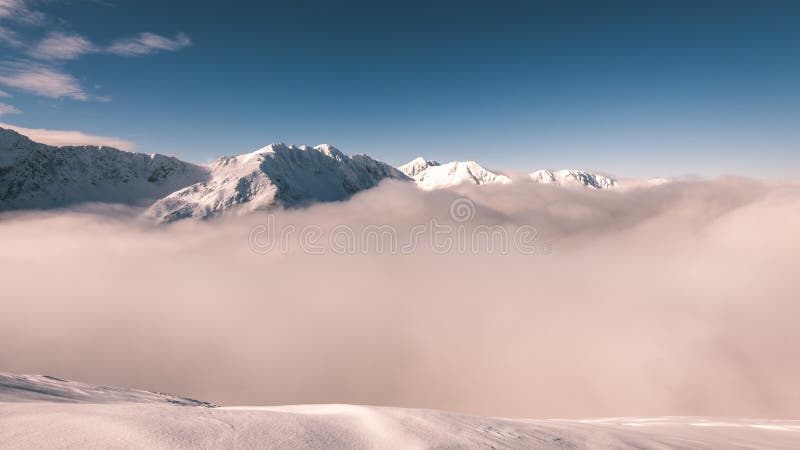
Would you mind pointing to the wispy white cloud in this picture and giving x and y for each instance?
(48, 78)
(62, 46)
(17, 10)
(147, 43)
(41, 80)
(8, 109)
(67, 137)
(4, 94)
(9, 37)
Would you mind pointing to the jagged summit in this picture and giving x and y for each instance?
(416, 166)
(277, 174)
(329, 150)
(567, 178)
(432, 175)
(429, 174)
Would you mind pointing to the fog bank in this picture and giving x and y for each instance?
(680, 299)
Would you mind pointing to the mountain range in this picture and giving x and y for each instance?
(39, 176)
(275, 174)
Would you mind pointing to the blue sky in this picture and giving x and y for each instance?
(639, 88)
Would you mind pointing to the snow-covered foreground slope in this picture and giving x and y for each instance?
(432, 175)
(277, 173)
(45, 388)
(34, 175)
(40, 413)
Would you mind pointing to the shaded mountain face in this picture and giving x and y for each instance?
(568, 178)
(34, 175)
(277, 174)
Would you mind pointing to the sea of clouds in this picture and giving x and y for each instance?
(678, 299)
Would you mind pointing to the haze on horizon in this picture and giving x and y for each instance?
(637, 89)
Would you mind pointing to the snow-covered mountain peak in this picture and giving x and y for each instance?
(278, 147)
(456, 173)
(416, 166)
(422, 162)
(328, 149)
(271, 148)
(572, 178)
(277, 174)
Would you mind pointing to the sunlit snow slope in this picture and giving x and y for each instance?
(276, 174)
(432, 175)
(573, 178)
(39, 412)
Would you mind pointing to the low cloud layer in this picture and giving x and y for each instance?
(678, 299)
